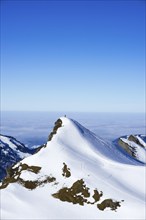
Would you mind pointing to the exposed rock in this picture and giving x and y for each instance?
(58, 124)
(40, 147)
(135, 140)
(66, 171)
(77, 194)
(13, 174)
(127, 147)
(108, 203)
(34, 184)
(97, 195)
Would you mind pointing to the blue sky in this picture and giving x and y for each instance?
(73, 56)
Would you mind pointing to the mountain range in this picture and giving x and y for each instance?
(11, 151)
(77, 175)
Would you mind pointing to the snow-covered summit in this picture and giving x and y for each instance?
(71, 133)
(76, 175)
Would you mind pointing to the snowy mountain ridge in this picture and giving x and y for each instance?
(76, 175)
(11, 151)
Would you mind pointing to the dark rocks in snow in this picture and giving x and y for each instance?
(135, 140)
(108, 203)
(58, 124)
(133, 146)
(14, 175)
(66, 171)
(130, 150)
(11, 152)
(97, 195)
(76, 194)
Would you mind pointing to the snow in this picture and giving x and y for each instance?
(140, 151)
(26, 175)
(5, 152)
(6, 140)
(14, 147)
(141, 141)
(100, 165)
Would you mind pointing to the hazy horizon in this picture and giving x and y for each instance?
(33, 128)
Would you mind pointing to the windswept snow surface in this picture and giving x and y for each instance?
(101, 166)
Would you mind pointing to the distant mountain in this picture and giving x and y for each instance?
(11, 151)
(75, 175)
(134, 146)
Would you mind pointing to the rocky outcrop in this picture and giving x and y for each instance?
(58, 124)
(131, 151)
(14, 175)
(135, 140)
(134, 146)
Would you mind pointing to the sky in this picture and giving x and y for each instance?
(81, 56)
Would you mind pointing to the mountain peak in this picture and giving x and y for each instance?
(70, 132)
(61, 122)
(77, 172)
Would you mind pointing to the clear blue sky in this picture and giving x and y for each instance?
(73, 56)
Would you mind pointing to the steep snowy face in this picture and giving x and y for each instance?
(135, 146)
(76, 175)
(11, 151)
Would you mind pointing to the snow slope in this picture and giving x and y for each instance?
(74, 155)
